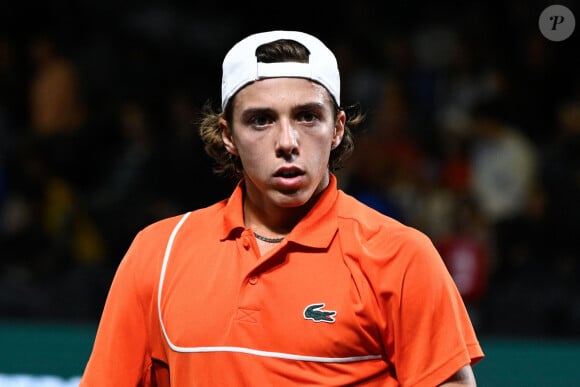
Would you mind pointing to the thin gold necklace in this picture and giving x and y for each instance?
(268, 240)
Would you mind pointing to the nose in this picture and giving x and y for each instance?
(287, 140)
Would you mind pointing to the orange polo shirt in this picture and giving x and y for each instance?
(350, 297)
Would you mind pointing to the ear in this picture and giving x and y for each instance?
(227, 137)
(338, 129)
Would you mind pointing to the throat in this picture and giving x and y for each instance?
(268, 240)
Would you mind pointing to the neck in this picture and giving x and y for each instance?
(271, 220)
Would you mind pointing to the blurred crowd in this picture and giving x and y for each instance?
(472, 135)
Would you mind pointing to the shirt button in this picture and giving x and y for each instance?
(253, 280)
(246, 243)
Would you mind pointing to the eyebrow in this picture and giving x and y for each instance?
(266, 110)
(256, 111)
(309, 106)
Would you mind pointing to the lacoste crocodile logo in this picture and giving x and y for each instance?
(315, 313)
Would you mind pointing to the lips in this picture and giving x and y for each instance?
(289, 172)
(289, 178)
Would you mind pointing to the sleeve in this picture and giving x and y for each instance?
(432, 333)
(120, 354)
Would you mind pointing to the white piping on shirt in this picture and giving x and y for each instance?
(280, 355)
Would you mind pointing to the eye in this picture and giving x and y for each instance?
(307, 116)
(260, 120)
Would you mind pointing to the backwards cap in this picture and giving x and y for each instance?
(241, 65)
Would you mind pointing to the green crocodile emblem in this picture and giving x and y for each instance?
(315, 313)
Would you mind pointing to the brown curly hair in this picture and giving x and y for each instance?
(229, 165)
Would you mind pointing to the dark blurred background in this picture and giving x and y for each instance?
(472, 135)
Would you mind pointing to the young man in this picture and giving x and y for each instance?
(290, 281)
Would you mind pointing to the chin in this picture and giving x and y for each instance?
(292, 198)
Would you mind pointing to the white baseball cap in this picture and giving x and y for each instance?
(241, 66)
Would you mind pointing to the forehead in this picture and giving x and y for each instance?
(277, 92)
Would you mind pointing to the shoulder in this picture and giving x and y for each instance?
(370, 224)
(377, 241)
(143, 260)
(162, 228)
(150, 242)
